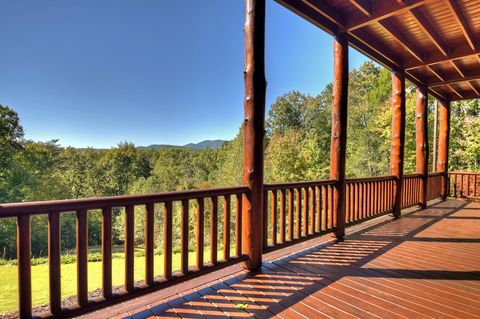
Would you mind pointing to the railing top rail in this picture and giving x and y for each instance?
(464, 173)
(435, 174)
(370, 179)
(274, 186)
(67, 205)
(413, 175)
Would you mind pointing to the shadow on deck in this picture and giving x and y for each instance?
(424, 265)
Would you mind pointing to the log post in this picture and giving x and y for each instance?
(398, 137)
(339, 128)
(253, 131)
(443, 143)
(421, 129)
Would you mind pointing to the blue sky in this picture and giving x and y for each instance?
(94, 73)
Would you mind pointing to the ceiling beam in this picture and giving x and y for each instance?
(401, 39)
(459, 18)
(455, 54)
(381, 9)
(456, 79)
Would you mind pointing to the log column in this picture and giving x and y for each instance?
(421, 127)
(253, 131)
(443, 143)
(398, 137)
(339, 128)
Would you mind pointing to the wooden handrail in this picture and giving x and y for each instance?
(71, 205)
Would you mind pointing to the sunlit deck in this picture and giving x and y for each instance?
(424, 265)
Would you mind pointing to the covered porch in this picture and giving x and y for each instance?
(348, 265)
(425, 265)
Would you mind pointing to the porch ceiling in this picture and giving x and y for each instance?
(434, 41)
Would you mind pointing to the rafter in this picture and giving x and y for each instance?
(326, 10)
(381, 10)
(454, 91)
(401, 39)
(473, 88)
(429, 30)
(364, 6)
(436, 73)
(457, 68)
(455, 10)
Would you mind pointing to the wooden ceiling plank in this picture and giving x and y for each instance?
(364, 6)
(457, 14)
(381, 9)
(401, 39)
(429, 30)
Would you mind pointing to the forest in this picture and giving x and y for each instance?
(297, 147)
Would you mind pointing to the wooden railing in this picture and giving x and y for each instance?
(292, 212)
(186, 200)
(368, 197)
(465, 185)
(411, 190)
(297, 211)
(434, 185)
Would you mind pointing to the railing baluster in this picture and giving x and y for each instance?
(167, 240)
(54, 254)
(82, 258)
(312, 210)
(330, 205)
(213, 230)
(107, 252)
(200, 235)
(226, 227)
(184, 235)
(325, 207)
(274, 217)
(282, 215)
(299, 212)
(290, 214)
(265, 218)
(129, 247)
(305, 212)
(319, 209)
(24, 268)
(149, 242)
(238, 224)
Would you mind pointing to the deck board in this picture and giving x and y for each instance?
(424, 265)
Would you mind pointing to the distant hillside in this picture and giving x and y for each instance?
(194, 146)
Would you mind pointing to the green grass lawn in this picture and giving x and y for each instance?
(40, 280)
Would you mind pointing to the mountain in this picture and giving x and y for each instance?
(194, 146)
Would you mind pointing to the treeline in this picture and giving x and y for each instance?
(297, 147)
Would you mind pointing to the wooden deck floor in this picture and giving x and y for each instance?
(425, 265)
